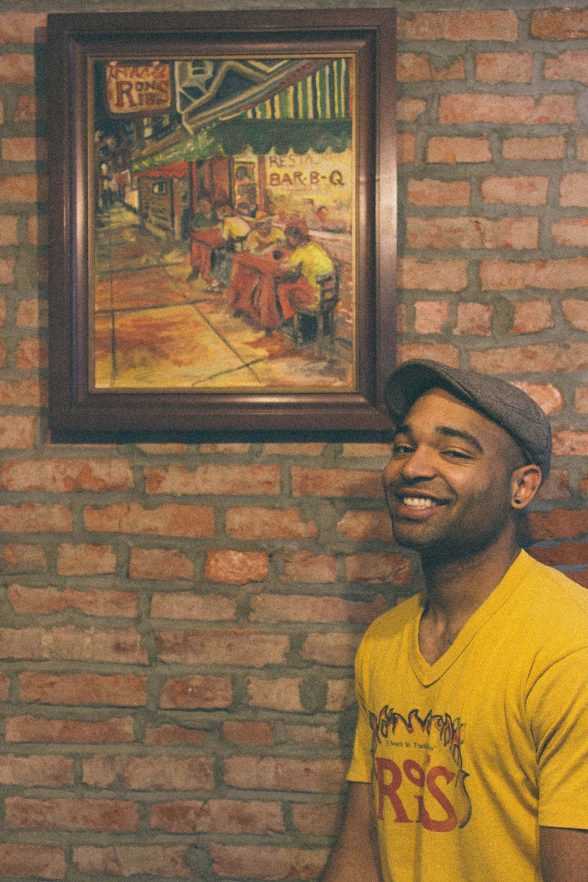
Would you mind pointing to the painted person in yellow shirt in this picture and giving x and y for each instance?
(310, 261)
(234, 230)
(264, 237)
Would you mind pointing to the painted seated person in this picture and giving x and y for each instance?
(308, 262)
(234, 229)
(206, 216)
(264, 236)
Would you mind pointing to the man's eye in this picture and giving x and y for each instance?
(452, 453)
(399, 448)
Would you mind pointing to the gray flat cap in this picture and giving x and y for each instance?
(503, 403)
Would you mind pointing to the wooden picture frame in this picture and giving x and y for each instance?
(286, 115)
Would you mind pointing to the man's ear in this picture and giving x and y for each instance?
(525, 483)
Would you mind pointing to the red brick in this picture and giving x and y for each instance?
(33, 517)
(574, 189)
(405, 147)
(582, 146)
(416, 67)
(268, 862)
(531, 316)
(282, 773)
(17, 432)
(168, 861)
(557, 485)
(242, 646)
(23, 860)
(576, 312)
(335, 648)
(163, 449)
(36, 771)
(31, 354)
(553, 147)
(367, 450)
(570, 443)
(304, 566)
(242, 732)
(442, 148)
(409, 109)
(149, 772)
(563, 523)
(66, 475)
(547, 396)
(20, 559)
(520, 190)
(284, 449)
(194, 521)
(160, 563)
(474, 318)
(281, 694)
(197, 692)
(531, 359)
(22, 188)
(7, 265)
(304, 608)
(506, 109)
(311, 735)
(21, 27)
(32, 314)
(379, 568)
(22, 393)
(567, 66)
(17, 68)
(26, 109)
(502, 275)
(85, 560)
(37, 730)
(8, 229)
(565, 554)
(581, 399)
(169, 733)
(437, 351)
(228, 480)
(365, 526)
(37, 230)
(4, 686)
(336, 482)
(24, 149)
(231, 448)
(217, 816)
(562, 24)
(199, 607)
(472, 232)
(319, 819)
(460, 26)
(340, 695)
(71, 814)
(122, 690)
(236, 567)
(433, 275)
(72, 644)
(571, 231)
(504, 67)
(46, 601)
(252, 523)
(428, 191)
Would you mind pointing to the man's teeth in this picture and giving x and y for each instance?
(418, 502)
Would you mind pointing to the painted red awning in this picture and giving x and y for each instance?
(173, 170)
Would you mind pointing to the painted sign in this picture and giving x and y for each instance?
(138, 88)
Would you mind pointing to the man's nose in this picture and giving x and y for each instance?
(420, 463)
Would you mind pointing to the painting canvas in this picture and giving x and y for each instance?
(222, 220)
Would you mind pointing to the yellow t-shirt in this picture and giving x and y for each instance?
(313, 262)
(234, 227)
(469, 755)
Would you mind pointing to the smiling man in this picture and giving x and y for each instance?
(470, 761)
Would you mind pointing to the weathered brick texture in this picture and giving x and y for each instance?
(178, 620)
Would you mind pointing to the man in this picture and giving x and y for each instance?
(264, 236)
(234, 231)
(470, 761)
(310, 261)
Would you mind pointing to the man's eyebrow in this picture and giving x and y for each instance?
(447, 432)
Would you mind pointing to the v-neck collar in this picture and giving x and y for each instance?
(430, 673)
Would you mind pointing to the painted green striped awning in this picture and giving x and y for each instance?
(323, 95)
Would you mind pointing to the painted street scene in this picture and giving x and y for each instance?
(224, 225)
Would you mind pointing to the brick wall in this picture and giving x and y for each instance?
(178, 622)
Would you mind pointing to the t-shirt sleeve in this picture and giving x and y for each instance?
(361, 761)
(558, 709)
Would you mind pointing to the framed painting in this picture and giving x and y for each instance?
(222, 221)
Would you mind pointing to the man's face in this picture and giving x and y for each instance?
(449, 482)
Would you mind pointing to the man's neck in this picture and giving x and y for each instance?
(456, 588)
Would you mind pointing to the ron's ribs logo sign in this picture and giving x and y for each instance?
(138, 88)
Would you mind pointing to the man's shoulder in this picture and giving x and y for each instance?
(555, 603)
